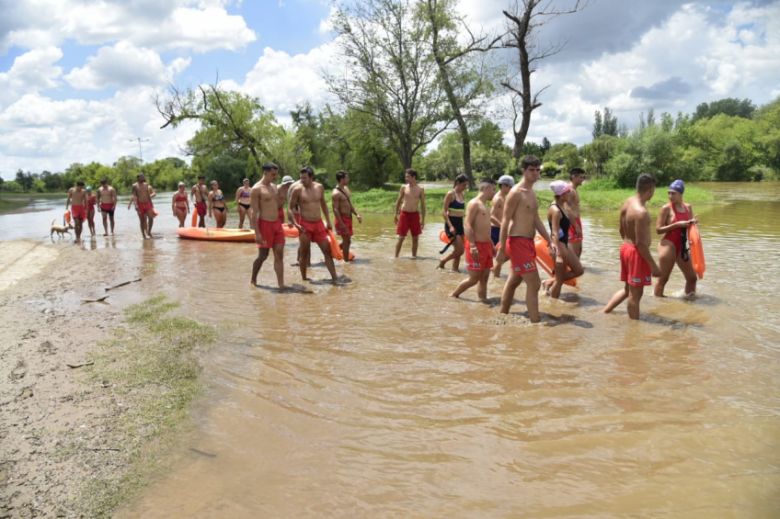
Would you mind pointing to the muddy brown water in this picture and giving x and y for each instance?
(386, 398)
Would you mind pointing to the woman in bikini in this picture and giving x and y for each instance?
(180, 204)
(217, 206)
(454, 211)
(673, 222)
(567, 263)
(243, 202)
(91, 203)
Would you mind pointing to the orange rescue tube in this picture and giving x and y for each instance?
(545, 261)
(443, 237)
(335, 248)
(696, 250)
(66, 217)
(194, 219)
(290, 231)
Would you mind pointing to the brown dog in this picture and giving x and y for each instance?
(61, 230)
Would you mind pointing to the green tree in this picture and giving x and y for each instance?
(729, 106)
(392, 76)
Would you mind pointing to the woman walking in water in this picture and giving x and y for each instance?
(244, 205)
(217, 203)
(567, 263)
(453, 212)
(673, 222)
(180, 204)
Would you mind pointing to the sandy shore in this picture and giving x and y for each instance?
(59, 423)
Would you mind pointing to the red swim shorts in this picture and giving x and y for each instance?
(144, 207)
(634, 270)
(574, 236)
(314, 230)
(340, 230)
(271, 232)
(522, 253)
(78, 212)
(408, 221)
(106, 206)
(485, 259)
(201, 207)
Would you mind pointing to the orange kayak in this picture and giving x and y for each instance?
(214, 234)
(545, 261)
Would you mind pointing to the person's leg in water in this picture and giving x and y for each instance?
(142, 224)
(304, 253)
(457, 252)
(91, 222)
(567, 266)
(398, 244)
(111, 220)
(104, 215)
(634, 296)
(78, 225)
(262, 254)
(415, 243)
(666, 259)
(346, 241)
(475, 276)
(686, 267)
(324, 246)
(508, 293)
(149, 221)
(532, 284)
(279, 264)
(616, 299)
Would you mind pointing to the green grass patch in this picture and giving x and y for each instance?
(597, 194)
(150, 367)
(10, 201)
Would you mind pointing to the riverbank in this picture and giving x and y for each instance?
(94, 388)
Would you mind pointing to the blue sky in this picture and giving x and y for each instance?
(77, 77)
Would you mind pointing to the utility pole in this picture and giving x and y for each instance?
(140, 149)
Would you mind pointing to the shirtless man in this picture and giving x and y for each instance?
(142, 197)
(268, 227)
(343, 211)
(516, 240)
(572, 208)
(479, 246)
(636, 264)
(505, 184)
(106, 197)
(409, 212)
(308, 200)
(200, 195)
(77, 200)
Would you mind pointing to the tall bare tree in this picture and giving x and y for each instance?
(390, 73)
(463, 79)
(524, 19)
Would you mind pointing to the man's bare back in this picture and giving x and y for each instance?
(497, 209)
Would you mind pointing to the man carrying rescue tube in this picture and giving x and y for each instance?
(308, 200)
(409, 212)
(505, 184)
(107, 200)
(77, 200)
(516, 240)
(572, 208)
(673, 222)
(478, 245)
(637, 267)
(200, 195)
(268, 227)
(142, 198)
(343, 211)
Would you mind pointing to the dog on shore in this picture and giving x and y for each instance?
(61, 230)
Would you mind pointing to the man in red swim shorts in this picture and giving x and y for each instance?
(520, 221)
(200, 195)
(637, 267)
(409, 212)
(479, 247)
(77, 200)
(308, 200)
(343, 211)
(268, 229)
(107, 200)
(142, 197)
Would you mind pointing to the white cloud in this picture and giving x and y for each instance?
(37, 132)
(124, 65)
(33, 71)
(161, 25)
(281, 81)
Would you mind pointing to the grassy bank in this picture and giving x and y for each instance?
(150, 369)
(596, 195)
